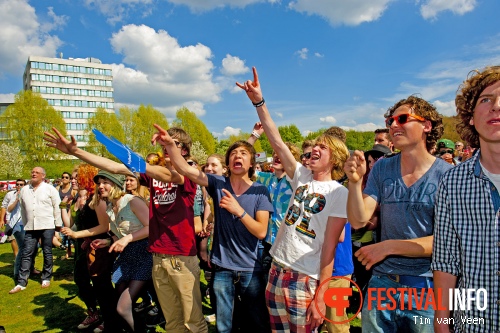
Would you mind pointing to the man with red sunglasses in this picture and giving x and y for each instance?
(405, 187)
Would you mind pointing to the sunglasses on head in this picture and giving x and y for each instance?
(402, 119)
(305, 156)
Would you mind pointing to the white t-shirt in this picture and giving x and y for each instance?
(302, 232)
(495, 178)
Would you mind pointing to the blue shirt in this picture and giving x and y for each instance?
(234, 247)
(342, 264)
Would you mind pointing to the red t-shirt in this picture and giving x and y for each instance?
(171, 217)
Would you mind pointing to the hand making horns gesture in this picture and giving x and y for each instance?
(252, 88)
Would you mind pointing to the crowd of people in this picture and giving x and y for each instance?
(414, 211)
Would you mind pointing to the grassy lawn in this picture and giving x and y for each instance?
(56, 309)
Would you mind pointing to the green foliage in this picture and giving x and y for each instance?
(222, 146)
(11, 161)
(26, 120)
(108, 124)
(314, 135)
(199, 152)
(265, 145)
(450, 130)
(359, 140)
(189, 122)
(290, 133)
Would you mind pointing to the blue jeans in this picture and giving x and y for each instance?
(18, 234)
(246, 288)
(31, 238)
(374, 320)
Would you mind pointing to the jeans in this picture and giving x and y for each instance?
(386, 321)
(249, 287)
(31, 238)
(19, 236)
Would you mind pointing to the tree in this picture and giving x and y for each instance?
(142, 129)
(222, 146)
(126, 119)
(189, 122)
(359, 140)
(199, 152)
(314, 135)
(24, 123)
(290, 133)
(11, 161)
(108, 124)
(450, 129)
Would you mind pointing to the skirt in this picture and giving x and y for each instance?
(134, 263)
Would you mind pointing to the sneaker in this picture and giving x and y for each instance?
(99, 329)
(142, 306)
(3, 239)
(154, 311)
(155, 321)
(210, 318)
(17, 289)
(45, 283)
(91, 319)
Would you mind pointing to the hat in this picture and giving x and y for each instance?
(445, 143)
(118, 180)
(378, 151)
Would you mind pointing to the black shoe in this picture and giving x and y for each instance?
(63, 247)
(142, 306)
(2, 329)
(157, 320)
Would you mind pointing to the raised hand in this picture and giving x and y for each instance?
(252, 88)
(258, 128)
(229, 203)
(59, 142)
(161, 137)
(355, 166)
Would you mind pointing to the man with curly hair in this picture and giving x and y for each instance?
(467, 238)
(405, 187)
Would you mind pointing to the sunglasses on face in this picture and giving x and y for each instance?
(20, 184)
(447, 151)
(402, 119)
(305, 156)
(178, 144)
(65, 177)
(191, 163)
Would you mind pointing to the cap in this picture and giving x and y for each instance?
(378, 150)
(118, 180)
(445, 143)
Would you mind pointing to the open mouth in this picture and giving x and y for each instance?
(237, 164)
(494, 121)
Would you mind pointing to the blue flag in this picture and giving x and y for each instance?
(133, 161)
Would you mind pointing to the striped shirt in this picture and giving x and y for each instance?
(467, 239)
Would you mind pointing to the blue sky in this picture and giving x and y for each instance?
(320, 62)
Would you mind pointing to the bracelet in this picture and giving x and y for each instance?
(259, 103)
(63, 205)
(242, 215)
(257, 135)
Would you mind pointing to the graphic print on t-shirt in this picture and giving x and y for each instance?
(305, 204)
(415, 197)
(165, 193)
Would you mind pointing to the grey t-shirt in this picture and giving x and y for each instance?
(405, 213)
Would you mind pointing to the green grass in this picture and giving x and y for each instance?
(56, 309)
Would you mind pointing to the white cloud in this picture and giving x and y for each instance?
(117, 10)
(279, 114)
(228, 131)
(206, 5)
(7, 98)
(368, 127)
(431, 8)
(328, 120)
(302, 53)
(336, 12)
(319, 55)
(232, 66)
(24, 34)
(159, 71)
(445, 108)
(306, 133)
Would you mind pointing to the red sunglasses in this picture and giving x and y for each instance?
(402, 119)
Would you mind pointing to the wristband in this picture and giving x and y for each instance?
(254, 133)
(259, 103)
(63, 205)
(242, 215)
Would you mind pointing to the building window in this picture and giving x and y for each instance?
(34, 64)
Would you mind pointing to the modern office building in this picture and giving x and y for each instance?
(75, 87)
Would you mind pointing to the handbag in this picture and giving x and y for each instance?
(8, 230)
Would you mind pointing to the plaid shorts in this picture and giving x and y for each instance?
(288, 295)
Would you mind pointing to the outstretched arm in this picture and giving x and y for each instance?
(181, 166)
(254, 93)
(66, 146)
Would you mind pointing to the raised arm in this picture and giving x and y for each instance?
(256, 133)
(181, 166)
(254, 93)
(360, 207)
(66, 146)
